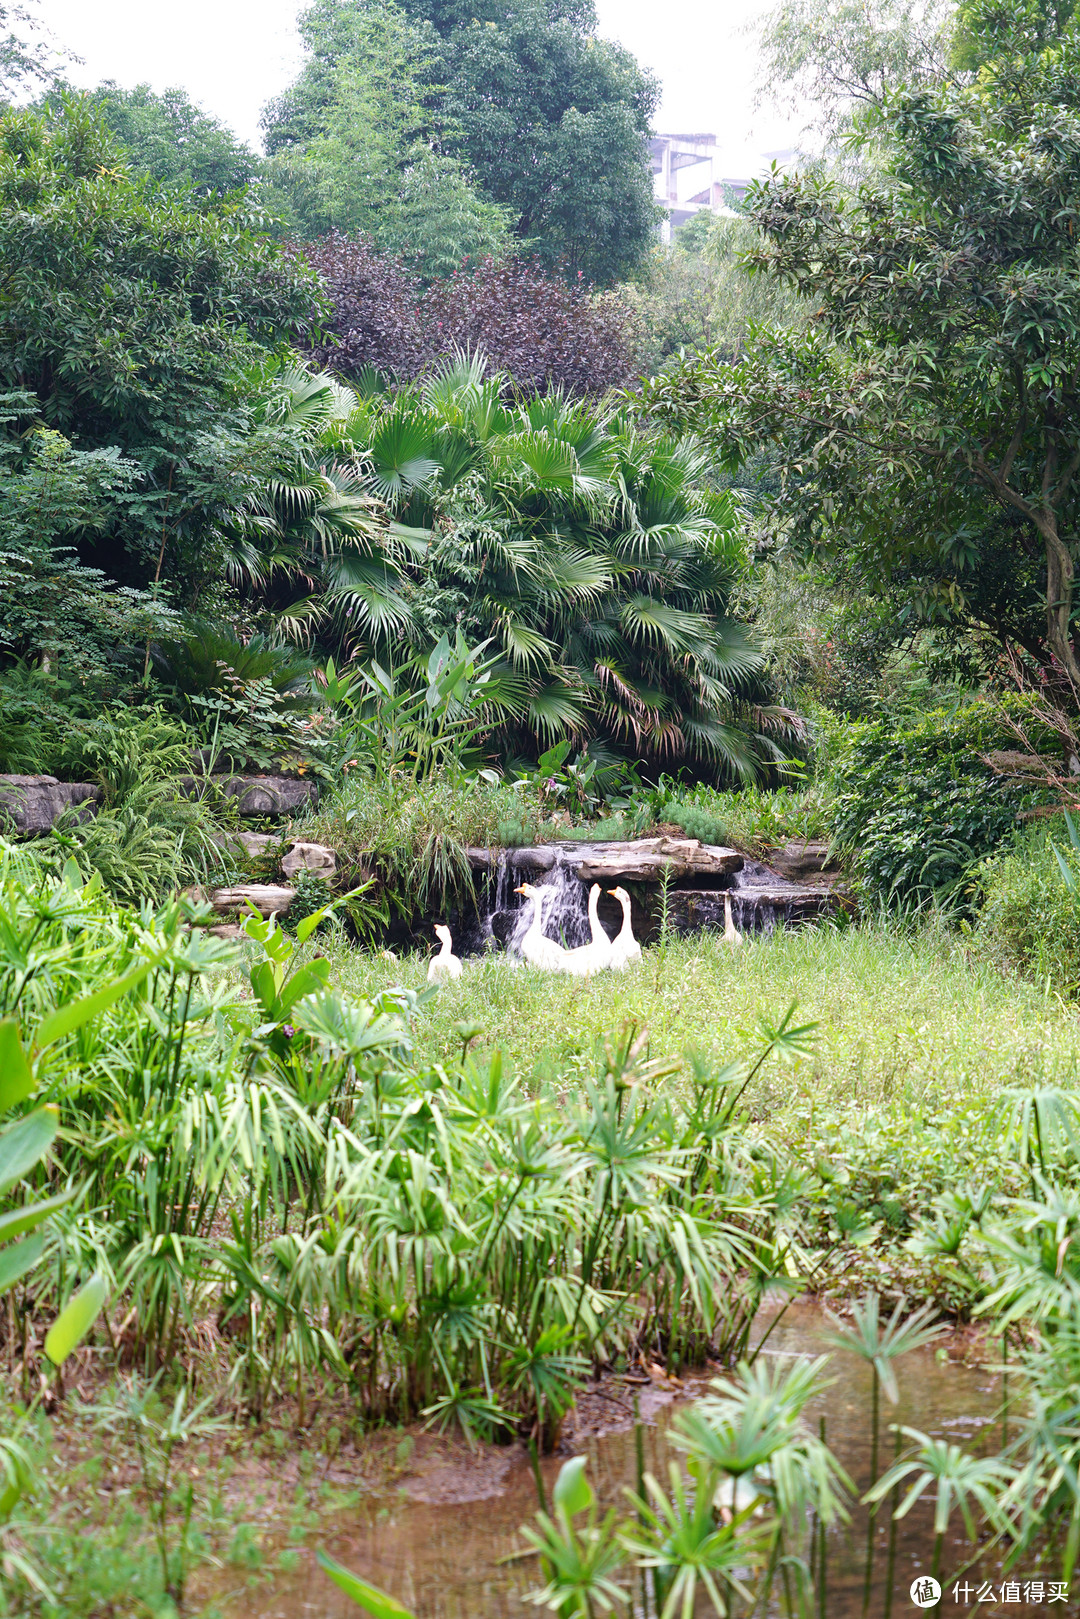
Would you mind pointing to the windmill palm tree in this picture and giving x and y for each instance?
(591, 551)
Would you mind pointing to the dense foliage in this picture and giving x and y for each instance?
(590, 552)
(358, 142)
(928, 419)
(542, 331)
(917, 807)
(130, 314)
(171, 139)
(436, 139)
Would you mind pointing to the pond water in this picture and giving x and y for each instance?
(441, 1557)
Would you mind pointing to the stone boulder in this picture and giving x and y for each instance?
(267, 898)
(650, 860)
(271, 795)
(644, 860)
(252, 845)
(259, 795)
(313, 857)
(32, 804)
(799, 859)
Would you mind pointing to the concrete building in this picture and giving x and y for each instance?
(691, 173)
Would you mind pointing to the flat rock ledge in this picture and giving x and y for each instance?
(260, 795)
(268, 899)
(32, 804)
(645, 860)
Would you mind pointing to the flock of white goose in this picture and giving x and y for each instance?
(601, 954)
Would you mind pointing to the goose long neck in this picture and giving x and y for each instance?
(594, 918)
(626, 932)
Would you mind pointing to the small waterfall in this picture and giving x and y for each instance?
(501, 901)
(566, 917)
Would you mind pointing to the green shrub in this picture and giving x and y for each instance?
(1030, 918)
(755, 819)
(916, 808)
(150, 836)
(412, 836)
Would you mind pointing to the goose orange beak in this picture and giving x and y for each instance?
(520, 889)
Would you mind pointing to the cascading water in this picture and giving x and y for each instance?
(566, 914)
(761, 899)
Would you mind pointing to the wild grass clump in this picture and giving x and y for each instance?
(755, 819)
(157, 829)
(412, 836)
(1030, 916)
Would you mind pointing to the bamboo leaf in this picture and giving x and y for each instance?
(16, 1075)
(373, 1602)
(75, 1321)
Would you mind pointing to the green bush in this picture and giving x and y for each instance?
(916, 808)
(755, 819)
(1030, 918)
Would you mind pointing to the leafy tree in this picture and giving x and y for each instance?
(931, 418)
(131, 315)
(69, 619)
(539, 329)
(26, 62)
(356, 143)
(521, 102)
(842, 58)
(554, 123)
(171, 139)
(698, 292)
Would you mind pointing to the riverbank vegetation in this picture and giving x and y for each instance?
(387, 469)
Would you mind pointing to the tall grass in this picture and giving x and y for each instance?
(411, 836)
(902, 1013)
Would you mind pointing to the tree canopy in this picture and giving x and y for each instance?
(415, 123)
(131, 314)
(356, 143)
(170, 138)
(930, 418)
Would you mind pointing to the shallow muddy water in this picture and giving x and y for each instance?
(436, 1542)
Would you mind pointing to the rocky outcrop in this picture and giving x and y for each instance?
(271, 795)
(313, 857)
(30, 805)
(645, 860)
(251, 845)
(652, 860)
(267, 898)
(801, 859)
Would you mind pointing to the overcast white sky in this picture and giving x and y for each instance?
(233, 55)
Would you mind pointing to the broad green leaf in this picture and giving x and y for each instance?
(306, 981)
(26, 1143)
(306, 928)
(373, 1602)
(262, 982)
(1067, 873)
(573, 1493)
(31, 1215)
(75, 1321)
(18, 1259)
(74, 1016)
(16, 1075)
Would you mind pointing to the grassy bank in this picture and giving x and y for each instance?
(911, 1015)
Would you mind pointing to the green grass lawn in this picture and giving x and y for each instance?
(912, 1016)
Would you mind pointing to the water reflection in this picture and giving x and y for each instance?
(442, 1559)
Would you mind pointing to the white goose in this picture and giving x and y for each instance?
(445, 965)
(594, 956)
(540, 951)
(732, 936)
(624, 947)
